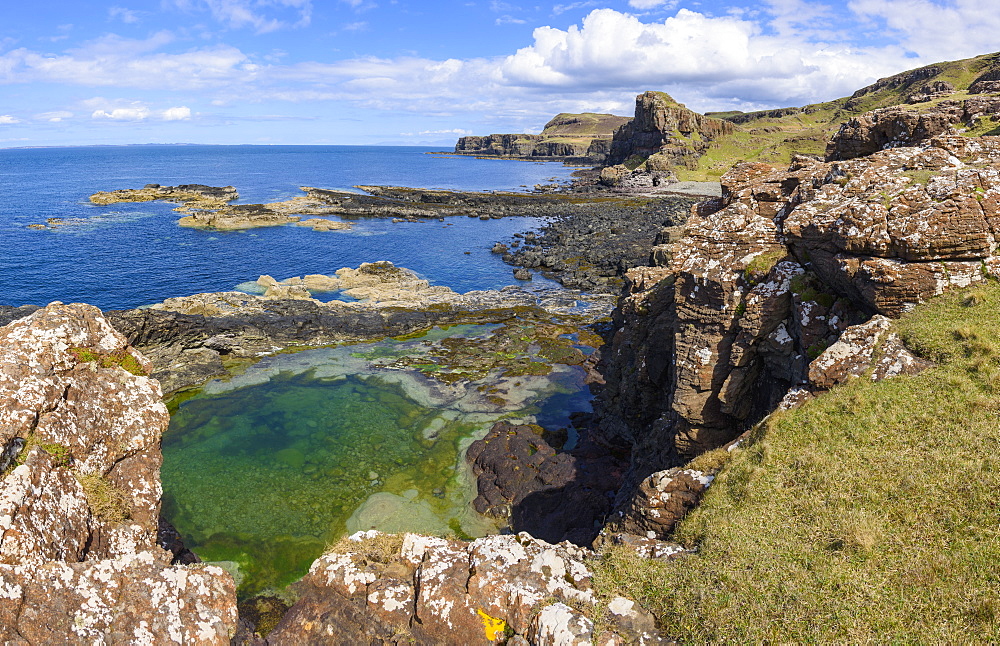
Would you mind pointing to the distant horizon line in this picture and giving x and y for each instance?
(194, 144)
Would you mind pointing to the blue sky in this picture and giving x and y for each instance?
(394, 71)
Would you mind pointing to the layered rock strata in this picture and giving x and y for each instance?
(80, 426)
(901, 126)
(761, 281)
(666, 133)
(583, 137)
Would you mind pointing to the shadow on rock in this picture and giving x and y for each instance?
(554, 496)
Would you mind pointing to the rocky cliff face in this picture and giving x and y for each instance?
(80, 427)
(667, 130)
(759, 283)
(582, 136)
(900, 126)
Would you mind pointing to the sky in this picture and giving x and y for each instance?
(84, 72)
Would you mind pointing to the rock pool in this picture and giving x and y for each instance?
(267, 468)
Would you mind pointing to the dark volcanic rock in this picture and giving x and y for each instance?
(591, 248)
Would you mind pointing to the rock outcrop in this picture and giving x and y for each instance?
(188, 337)
(901, 126)
(584, 137)
(80, 427)
(425, 590)
(665, 134)
(763, 280)
(551, 495)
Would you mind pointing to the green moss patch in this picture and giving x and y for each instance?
(120, 358)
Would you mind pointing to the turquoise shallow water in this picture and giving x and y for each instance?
(267, 469)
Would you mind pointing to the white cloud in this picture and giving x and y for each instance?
(127, 16)
(6, 119)
(509, 20)
(122, 114)
(54, 117)
(936, 30)
(180, 113)
(650, 4)
(451, 131)
(725, 58)
(560, 9)
(120, 62)
(256, 14)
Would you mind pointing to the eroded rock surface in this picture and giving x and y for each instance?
(552, 495)
(760, 282)
(434, 591)
(80, 428)
(187, 338)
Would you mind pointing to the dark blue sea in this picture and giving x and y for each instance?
(126, 255)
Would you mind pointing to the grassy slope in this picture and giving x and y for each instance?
(776, 140)
(871, 514)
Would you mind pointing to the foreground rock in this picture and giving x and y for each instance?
(760, 282)
(80, 427)
(426, 590)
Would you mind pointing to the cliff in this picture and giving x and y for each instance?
(776, 136)
(758, 283)
(80, 428)
(584, 136)
(665, 133)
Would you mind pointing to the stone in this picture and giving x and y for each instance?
(850, 356)
(128, 599)
(80, 533)
(660, 502)
(770, 275)
(434, 590)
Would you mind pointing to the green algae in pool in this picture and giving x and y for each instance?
(267, 475)
(268, 468)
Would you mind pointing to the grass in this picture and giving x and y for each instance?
(107, 501)
(381, 548)
(868, 515)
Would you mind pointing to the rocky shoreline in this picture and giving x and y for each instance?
(731, 308)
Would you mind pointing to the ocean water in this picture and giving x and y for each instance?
(126, 255)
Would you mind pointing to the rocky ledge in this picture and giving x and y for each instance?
(418, 589)
(191, 339)
(80, 428)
